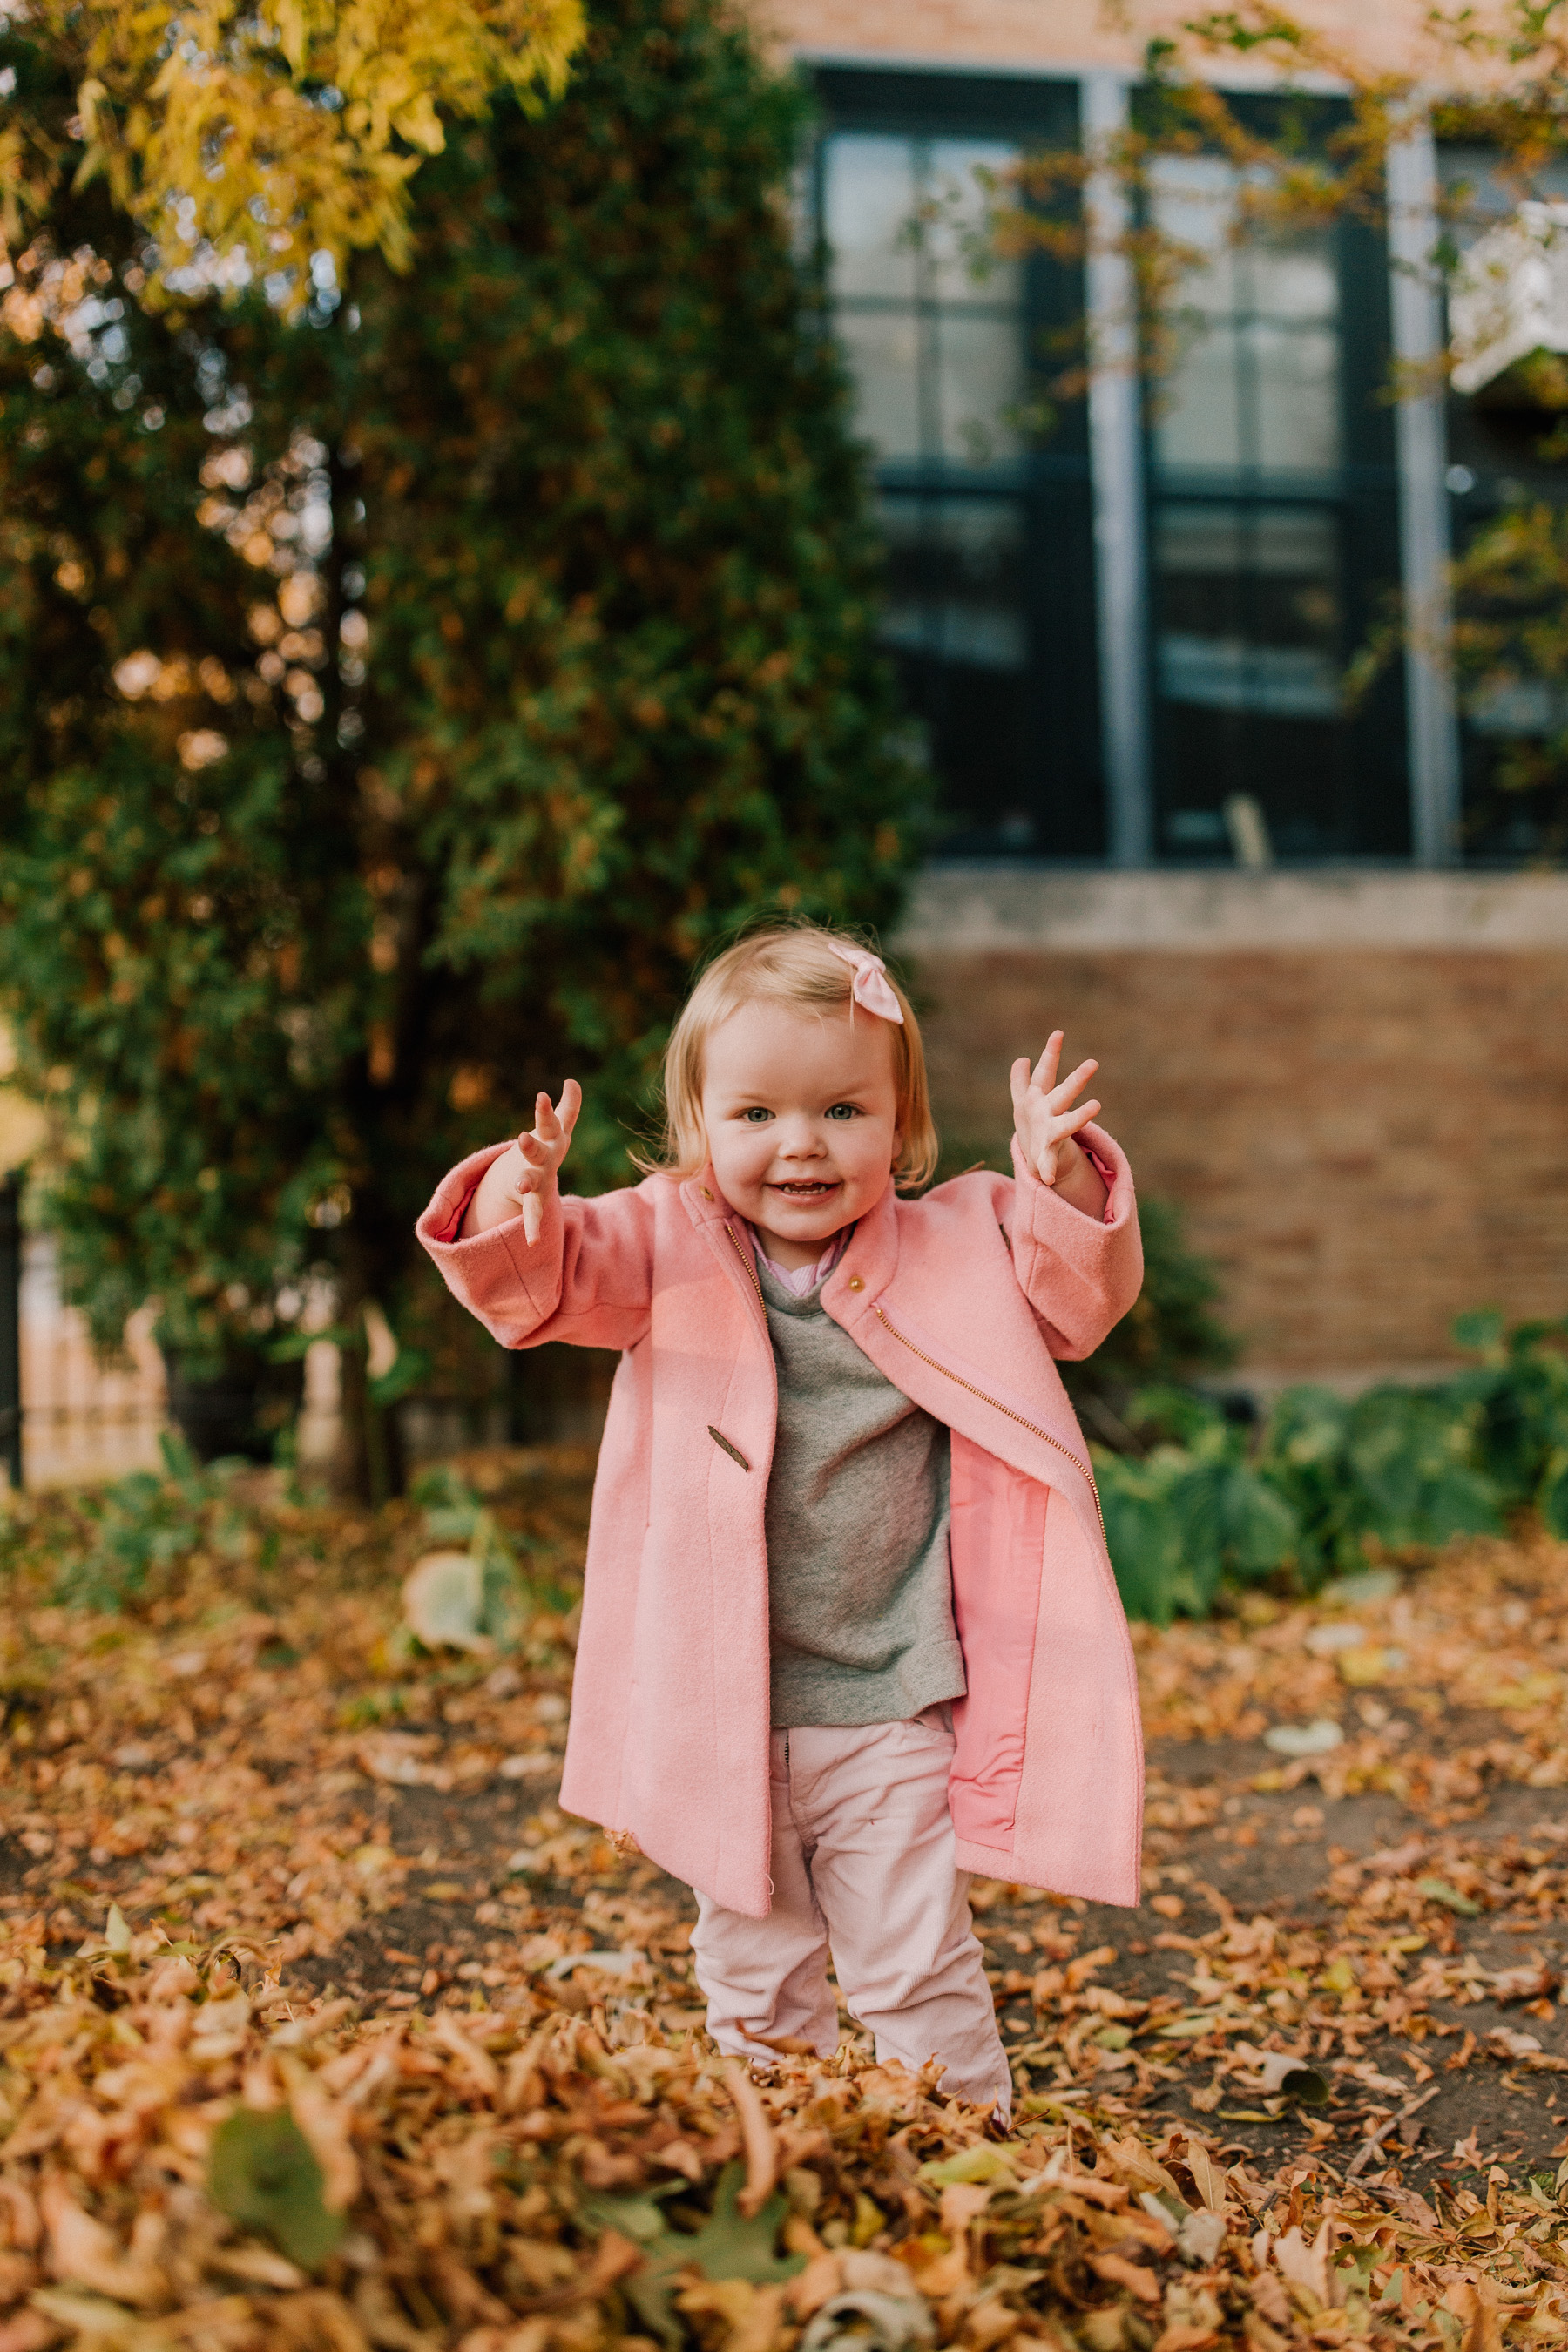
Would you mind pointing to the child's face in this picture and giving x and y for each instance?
(802, 1119)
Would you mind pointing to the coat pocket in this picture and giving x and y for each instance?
(998, 1560)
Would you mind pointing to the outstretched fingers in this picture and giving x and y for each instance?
(552, 1126)
(1069, 1122)
(541, 1150)
(1060, 1096)
(1042, 1084)
(1045, 1071)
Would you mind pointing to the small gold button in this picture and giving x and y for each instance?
(856, 1283)
(705, 1192)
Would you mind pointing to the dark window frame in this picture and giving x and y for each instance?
(1370, 820)
(1059, 753)
(1494, 465)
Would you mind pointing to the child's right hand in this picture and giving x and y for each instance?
(522, 1178)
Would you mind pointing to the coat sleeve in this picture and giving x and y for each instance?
(588, 1279)
(1079, 1274)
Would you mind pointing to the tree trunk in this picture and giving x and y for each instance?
(371, 1463)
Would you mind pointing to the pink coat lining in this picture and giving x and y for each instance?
(963, 1300)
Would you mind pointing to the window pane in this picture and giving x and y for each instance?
(1256, 378)
(869, 214)
(1249, 609)
(1192, 201)
(954, 579)
(882, 352)
(1271, 465)
(1199, 418)
(1294, 397)
(935, 329)
(1248, 655)
(956, 624)
(958, 206)
(1291, 279)
(982, 384)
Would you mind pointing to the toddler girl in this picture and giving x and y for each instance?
(849, 1629)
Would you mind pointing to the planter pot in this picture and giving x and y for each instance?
(239, 1412)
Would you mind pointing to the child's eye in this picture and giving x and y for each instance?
(756, 1115)
(845, 1110)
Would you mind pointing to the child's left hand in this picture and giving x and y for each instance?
(1046, 1123)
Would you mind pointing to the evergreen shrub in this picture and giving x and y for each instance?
(394, 705)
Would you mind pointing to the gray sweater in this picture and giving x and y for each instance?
(859, 1585)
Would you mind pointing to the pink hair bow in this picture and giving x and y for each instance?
(870, 986)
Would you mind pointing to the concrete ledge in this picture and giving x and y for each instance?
(970, 909)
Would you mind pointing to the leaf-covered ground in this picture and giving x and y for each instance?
(377, 2047)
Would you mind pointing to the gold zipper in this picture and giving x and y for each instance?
(750, 1263)
(998, 1407)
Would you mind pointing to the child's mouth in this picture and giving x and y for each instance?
(807, 1188)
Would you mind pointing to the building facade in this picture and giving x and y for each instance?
(1305, 933)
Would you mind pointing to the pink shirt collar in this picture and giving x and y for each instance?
(803, 1281)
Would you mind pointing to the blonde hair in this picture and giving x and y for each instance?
(788, 964)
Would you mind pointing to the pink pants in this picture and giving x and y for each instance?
(863, 1860)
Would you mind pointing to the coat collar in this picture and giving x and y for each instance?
(724, 1230)
(705, 1204)
(861, 1273)
(866, 1268)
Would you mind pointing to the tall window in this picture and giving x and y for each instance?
(1273, 538)
(1500, 461)
(986, 517)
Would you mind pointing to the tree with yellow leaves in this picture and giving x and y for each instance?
(261, 135)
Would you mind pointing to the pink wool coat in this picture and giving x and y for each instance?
(963, 1300)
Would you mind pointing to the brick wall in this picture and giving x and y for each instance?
(1068, 34)
(1072, 33)
(1367, 1140)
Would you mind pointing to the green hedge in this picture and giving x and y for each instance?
(394, 706)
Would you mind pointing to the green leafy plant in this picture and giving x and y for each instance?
(481, 1596)
(1191, 1512)
(726, 2245)
(262, 2172)
(1520, 1390)
(1396, 1464)
(1397, 1468)
(136, 1529)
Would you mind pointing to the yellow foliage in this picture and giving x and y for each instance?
(278, 130)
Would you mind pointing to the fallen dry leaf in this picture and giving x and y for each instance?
(343, 1892)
